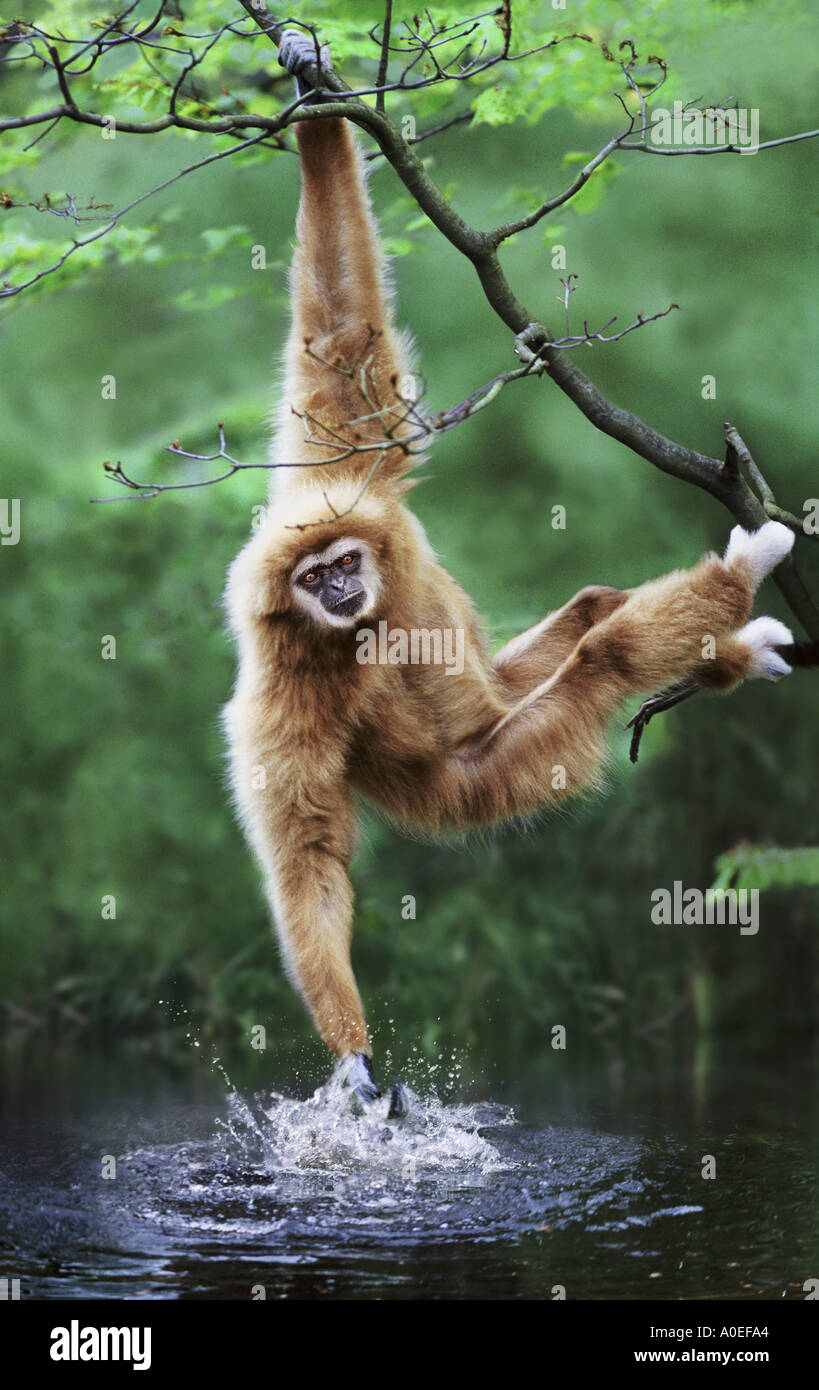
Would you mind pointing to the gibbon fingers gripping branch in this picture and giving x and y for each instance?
(309, 725)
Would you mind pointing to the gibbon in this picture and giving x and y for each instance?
(309, 724)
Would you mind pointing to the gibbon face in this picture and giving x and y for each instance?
(337, 585)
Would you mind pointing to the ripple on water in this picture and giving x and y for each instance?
(464, 1190)
(299, 1177)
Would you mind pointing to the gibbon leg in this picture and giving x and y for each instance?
(667, 606)
(528, 660)
(552, 741)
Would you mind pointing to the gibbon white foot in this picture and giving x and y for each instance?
(763, 636)
(762, 549)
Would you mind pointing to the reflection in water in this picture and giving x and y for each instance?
(301, 1199)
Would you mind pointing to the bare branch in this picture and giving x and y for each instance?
(723, 149)
(501, 234)
(8, 291)
(405, 426)
(383, 61)
(657, 704)
(738, 453)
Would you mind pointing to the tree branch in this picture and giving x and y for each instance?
(383, 61)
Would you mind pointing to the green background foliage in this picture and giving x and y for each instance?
(114, 770)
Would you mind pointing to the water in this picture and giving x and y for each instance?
(239, 1195)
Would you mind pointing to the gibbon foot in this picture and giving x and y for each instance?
(762, 636)
(762, 549)
(298, 51)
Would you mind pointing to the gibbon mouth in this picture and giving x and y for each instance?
(348, 606)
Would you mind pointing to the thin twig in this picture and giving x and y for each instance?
(383, 62)
(8, 291)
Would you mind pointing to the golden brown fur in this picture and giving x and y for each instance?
(308, 724)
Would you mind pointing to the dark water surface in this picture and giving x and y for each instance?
(219, 1194)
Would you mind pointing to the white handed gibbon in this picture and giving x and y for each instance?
(310, 724)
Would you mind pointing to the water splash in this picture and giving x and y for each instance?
(282, 1135)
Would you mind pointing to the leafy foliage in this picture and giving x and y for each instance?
(766, 866)
(238, 75)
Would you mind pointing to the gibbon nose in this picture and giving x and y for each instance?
(337, 581)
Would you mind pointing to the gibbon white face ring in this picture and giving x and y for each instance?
(339, 585)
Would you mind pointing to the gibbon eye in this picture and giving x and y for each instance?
(309, 578)
(347, 559)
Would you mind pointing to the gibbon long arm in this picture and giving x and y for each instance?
(344, 361)
(310, 724)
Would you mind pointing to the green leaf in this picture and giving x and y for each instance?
(219, 239)
(498, 106)
(193, 300)
(398, 246)
(767, 866)
(594, 191)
